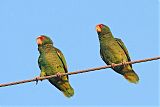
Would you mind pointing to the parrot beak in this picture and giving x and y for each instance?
(98, 28)
(39, 40)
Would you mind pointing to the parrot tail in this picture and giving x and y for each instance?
(67, 90)
(64, 87)
(131, 76)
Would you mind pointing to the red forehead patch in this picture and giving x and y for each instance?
(100, 25)
(41, 37)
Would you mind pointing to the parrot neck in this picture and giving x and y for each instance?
(105, 38)
(45, 48)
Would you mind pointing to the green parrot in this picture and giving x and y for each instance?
(51, 61)
(113, 51)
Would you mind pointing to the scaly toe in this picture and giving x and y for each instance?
(59, 75)
(112, 65)
(124, 63)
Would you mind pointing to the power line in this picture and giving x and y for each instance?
(79, 71)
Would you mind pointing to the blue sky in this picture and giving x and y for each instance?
(71, 25)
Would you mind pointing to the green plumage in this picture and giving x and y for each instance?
(113, 50)
(51, 61)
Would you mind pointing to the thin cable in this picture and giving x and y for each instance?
(79, 71)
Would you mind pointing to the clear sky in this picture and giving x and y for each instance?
(71, 25)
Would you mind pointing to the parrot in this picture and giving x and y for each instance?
(52, 62)
(113, 51)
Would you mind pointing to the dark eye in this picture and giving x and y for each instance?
(100, 25)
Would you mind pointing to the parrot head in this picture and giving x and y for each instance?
(43, 40)
(102, 29)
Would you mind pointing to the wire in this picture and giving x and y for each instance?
(79, 71)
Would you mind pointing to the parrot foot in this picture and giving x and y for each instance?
(59, 75)
(124, 63)
(112, 65)
(37, 79)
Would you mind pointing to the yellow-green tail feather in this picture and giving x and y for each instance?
(67, 90)
(63, 86)
(131, 76)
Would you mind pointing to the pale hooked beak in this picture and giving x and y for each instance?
(98, 28)
(39, 41)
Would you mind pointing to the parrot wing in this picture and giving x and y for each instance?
(61, 57)
(39, 62)
(121, 44)
(102, 56)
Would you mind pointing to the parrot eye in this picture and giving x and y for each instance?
(100, 25)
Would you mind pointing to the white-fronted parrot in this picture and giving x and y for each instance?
(113, 50)
(51, 61)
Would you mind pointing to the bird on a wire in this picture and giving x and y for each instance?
(52, 62)
(113, 51)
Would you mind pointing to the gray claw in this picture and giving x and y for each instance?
(37, 79)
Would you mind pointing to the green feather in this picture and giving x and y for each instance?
(119, 41)
(51, 61)
(113, 50)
